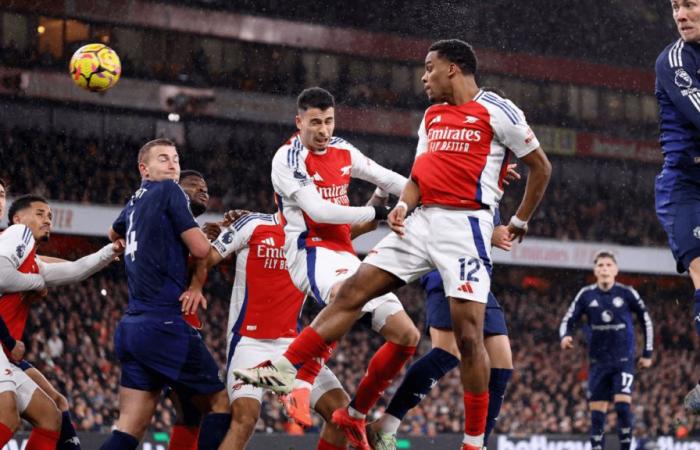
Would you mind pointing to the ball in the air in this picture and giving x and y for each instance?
(95, 67)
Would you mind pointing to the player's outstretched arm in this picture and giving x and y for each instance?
(11, 280)
(379, 198)
(410, 197)
(68, 272)
(321, 210)
(192, 298)
(540, 170)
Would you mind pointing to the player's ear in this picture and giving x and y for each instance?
(297, 121)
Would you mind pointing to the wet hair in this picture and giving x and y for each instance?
(143, 151)
(458, 52)
(604, 254)
(315, 97)
(24, 202)
(190, 173)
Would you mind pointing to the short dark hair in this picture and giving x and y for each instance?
(190, 173)
(315, 97)
(604, 254)
(3, 183)
(143, 151)
(458, 52)
(24, 202)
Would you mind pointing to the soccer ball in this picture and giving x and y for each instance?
(95, 67)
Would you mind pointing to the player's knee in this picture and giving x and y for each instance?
(409, 336)
(220, 403)
(10, 419)
(50, 419)
(244, 423)
(470, 343)
(61, 402)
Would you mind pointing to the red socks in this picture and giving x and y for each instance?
(183, 438)
(476, 408)
(325, 445)
(309, 371)
(383, 367)
(5, 434)
(41, 439)
(308, 345)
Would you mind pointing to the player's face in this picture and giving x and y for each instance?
(605, 270)
(686, 14)
(161, 163)
(196, 190)
(38, 218)
(436, 79)
(316, 127)
(3, 200)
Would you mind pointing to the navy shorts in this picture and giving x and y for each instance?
(678, 210)
(157, 351)
(606, 380)
(438, 315)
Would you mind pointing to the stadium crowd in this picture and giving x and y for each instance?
(87, 170)
(547, 394)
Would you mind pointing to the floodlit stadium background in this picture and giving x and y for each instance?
(221, 78)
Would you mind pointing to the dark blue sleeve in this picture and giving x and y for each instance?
(7, 340)
(676, 73)
(573, 315)
(119, 225)
(637, 305)
(178, 208)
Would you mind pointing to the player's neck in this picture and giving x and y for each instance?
(464, 91)
(605, 286)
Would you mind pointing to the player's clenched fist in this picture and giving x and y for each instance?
(17, 353)
(191, 299)
(118, 246)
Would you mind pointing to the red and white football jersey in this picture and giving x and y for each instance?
(294, 167)
(462, 153)
(265, 304)
(17, 244)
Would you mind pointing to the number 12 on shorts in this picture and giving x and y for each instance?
(474, 264)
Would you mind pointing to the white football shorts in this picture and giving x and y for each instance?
(316, 270)
(13, 379)
(457, 242)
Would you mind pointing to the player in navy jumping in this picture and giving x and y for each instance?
(678, 184)
(154, 344)
(609, 306)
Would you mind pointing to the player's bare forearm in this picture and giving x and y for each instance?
(201, 269)
(540, 170)
(359, 229)
(410, 194)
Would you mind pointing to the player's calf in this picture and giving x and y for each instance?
(245, 413)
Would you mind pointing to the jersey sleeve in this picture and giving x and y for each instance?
(422, 146)
(676, 74)
(15, 243)
(237, 235)
(511, 128)
(366, 169)
(178, 208)
(637, 305)
(289, 172)
(572, 316)
(119, 225)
